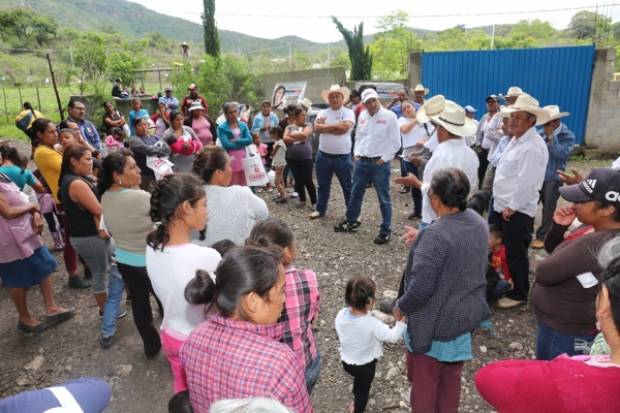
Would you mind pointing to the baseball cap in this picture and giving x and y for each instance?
(470, 109)
(602, 184)
(369, 94)
(168, 89)
(494, 97)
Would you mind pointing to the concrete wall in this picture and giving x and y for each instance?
(318, 79)
(415, 68)
(603, 125)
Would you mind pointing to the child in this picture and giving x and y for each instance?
(261, 150)
(500, 283)
(360, 336)
(301, 291)
(115, 141)
(137, 113)
(279, 161)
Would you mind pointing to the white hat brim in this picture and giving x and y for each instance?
(344, 91)
(191, 108)
(467, 129)
(559, 115)
(425, 90)
(542, 116)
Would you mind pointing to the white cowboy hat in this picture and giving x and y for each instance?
(431, 107)
(196, 105)
(526, 103)
(554, 112)
(344, 91)
(420, 88)
(514, 91)
(453, 119)
(307, 103)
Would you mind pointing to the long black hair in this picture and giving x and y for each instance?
(167, 195)
(269, 232)
(72, 152)
(243, 270)
(209, 159)
(114, 162)
(12, 154)
(452, 187)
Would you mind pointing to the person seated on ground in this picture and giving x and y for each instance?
(84, 395)
(233, 210)
(24, 260)
(236, 352)
(136, 112)
(498, 273)
(562, 297)
(144, 145)
(566, 384)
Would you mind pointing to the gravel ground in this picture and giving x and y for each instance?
(71, 350)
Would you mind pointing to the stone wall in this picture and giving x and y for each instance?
(318, 79)
(603, 125)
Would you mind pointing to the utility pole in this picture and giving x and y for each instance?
(493, 38)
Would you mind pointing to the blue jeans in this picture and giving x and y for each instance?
(416, 194)
(312, 373)
(326, 166)
(116, 286)
(423, 225)
(551, 343)
(366, 171)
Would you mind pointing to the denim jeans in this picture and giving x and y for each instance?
(326, 166)
(551, 343)
(416, 194)
(549, 195)
(96, 253)
(312, 373)
(366, 171)
(116, 286)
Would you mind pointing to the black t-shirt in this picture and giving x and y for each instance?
(81, 221)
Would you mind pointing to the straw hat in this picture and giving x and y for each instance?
(453, 119)
(431, 107)
(526, 103)
(420, 88)
(554, 112)
(514, 91)
(344, 91)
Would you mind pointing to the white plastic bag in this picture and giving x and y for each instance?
(254, 169)
(161, 166)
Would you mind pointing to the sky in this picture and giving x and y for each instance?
(310, 19)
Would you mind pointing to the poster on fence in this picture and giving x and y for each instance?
(287, 92)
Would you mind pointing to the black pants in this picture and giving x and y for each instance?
(362, 380)
(483, 154)
(51, 221)
(517, 237)
(140, 289)
(302, 172)
(549, 195)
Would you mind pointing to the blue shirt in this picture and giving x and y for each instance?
(133, 115)
(18, 175)
(171, 103)
(397, 109)
(225, 135)
(559, 150)
(259, 122)
(89, 132)
(451, 351)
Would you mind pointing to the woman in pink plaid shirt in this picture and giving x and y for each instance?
(301, 303)
(236, 353)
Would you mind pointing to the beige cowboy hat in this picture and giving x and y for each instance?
(431, 107)
(514, 91)
(420, 88)
(453, 119)
(527, 103)
(307, 103)
(343, 90)
(554, 112)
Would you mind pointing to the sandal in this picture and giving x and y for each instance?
(58, 318)
(25, 328)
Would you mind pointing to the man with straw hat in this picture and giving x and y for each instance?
(419, 93)
(513, 93)
(377, 141)
(560, 141)
(451, 152)
(519, 176)
(334, 125)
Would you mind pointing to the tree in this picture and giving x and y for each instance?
(390, 48)
(24, 29)
(589, 25)
(212, 40)
(360, 57)
(123, 65)
(91, 59)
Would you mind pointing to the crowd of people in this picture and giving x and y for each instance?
(161, 208)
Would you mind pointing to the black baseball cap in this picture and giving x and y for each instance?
(602, 184)
(494, 97)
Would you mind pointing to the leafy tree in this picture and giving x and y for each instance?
(390, 48)
(360, 57)
(212, 41)
(123, 65)
(24, 29)
(91, 59)
(616, 30)
(589, 25)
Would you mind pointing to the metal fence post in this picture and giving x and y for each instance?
(38, 98)
(6, 113)
(21, 100)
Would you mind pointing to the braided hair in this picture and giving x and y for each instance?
(167, 195)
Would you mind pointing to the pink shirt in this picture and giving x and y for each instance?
(18, 240)
(202, 127)
(112, 145)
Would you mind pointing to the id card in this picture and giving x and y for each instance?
(587, 280)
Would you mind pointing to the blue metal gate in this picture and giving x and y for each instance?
(557, 75)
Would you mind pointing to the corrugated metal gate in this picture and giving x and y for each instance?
(557, 75)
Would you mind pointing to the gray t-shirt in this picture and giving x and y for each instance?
(299, 151)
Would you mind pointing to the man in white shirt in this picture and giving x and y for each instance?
(488, 134)
(451, 152)
(334, 125)
(377, 139)
(518, 179)
(470, 112)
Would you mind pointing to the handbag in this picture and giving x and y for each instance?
(254, 170)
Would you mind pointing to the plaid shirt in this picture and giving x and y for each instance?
(301, 307)
(230, 359)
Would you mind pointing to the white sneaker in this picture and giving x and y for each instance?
(315, 215)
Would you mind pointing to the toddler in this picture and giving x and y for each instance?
(279, 161)
(360, 336)
(115, 141)
(499, 279)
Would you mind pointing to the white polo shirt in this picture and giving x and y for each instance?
(336, 144)
(378, 135)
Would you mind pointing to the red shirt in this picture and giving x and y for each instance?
(562, 385)
(188, 100)
(233, 359)
(500, 263)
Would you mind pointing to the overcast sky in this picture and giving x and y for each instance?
(309, 19)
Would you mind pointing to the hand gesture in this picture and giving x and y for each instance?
(564, 216)
(507, 213)
(409, 180)
(410, 235)
(569, 179)
(398, 316)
